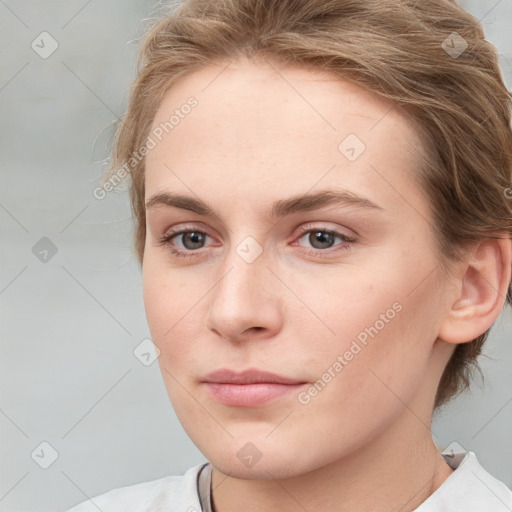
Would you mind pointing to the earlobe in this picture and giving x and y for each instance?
(482, 290)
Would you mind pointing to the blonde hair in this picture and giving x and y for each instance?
(412, 53)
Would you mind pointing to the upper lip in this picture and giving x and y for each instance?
(250, 376)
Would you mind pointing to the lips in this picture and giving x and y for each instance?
(249, 388)
(251, 376)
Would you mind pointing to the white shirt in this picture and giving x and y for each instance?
(470, 488)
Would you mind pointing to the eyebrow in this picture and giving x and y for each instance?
(281, 208)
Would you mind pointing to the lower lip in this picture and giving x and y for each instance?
(249, 395)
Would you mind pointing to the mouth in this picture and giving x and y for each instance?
(249, 388)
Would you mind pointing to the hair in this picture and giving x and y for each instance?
(397, 49)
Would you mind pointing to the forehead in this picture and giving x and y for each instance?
(244, 92)
(258, 126)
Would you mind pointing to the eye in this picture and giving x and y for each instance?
(322, 239)
(188, 241)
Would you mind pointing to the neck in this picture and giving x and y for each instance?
(397, 471)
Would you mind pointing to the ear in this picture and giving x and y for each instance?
(481, 290)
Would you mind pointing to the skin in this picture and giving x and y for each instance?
(262, 133)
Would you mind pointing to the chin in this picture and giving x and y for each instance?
(268, 462)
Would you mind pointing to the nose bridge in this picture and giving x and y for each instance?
(242, 299)
(244, 272)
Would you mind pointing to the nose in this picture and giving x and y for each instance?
(245, 302)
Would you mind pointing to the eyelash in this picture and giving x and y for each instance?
(166, 239)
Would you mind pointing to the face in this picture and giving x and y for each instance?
(305, 250)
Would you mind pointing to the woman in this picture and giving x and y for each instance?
(321, 192)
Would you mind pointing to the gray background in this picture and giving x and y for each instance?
(70, 325)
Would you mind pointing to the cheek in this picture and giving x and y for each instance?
(381, 336)
(160, 311)
(348, 305)
(174, 305)
(166, 293)
(170, 311)
(361, 388)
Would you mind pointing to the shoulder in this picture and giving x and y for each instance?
(470, 488)
(175, 493)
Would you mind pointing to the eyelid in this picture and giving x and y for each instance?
(180, 228)
(175, 232)
(303, 228)
(311, 226)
